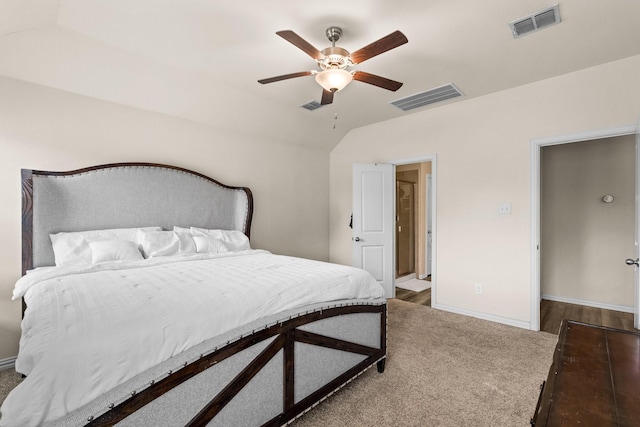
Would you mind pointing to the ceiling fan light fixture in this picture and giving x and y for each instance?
(334, 79)
(334, 62)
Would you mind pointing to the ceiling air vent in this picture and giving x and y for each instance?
(311, 105)
(431, 96)
(535, 21)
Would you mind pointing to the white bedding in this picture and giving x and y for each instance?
(87, 329)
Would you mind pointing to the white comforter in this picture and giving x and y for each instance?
(89, 329)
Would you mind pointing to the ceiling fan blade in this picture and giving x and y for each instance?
(372, 79)
(389, 42)
(300, 43)
(327, 97)
(285, 77)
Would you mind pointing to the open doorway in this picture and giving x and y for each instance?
(537, 146)
(413, 249)
(587, 231)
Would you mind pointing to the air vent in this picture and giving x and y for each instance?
(431, 96)
(311, 105)
(535, 21)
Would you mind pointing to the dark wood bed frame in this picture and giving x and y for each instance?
(286, 334)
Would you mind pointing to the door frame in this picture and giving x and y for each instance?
(430, 211)
(536, 148)
(433, 158)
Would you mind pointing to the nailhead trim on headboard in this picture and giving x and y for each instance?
(133, 195)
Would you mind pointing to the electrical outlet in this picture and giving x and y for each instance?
(504, 208)
(478, 288)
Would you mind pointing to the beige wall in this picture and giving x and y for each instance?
(483, 159)
(43, 128)
(585, 241)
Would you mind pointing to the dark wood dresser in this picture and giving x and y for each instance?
(594, 379)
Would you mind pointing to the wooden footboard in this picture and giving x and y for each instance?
(284, 338)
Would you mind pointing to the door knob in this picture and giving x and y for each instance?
(357, 239)
(630, 261)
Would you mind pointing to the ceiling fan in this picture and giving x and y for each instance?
(334, 62)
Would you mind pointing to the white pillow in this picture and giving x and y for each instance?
(207, 244)
(114, 250)
(165, 243)
(73, 247)
(233, 239)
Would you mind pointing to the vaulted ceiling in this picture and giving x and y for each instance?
(201, 59)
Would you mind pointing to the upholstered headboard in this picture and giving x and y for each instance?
(124, 195)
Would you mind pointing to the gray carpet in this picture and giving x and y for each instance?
(443, 369)
(8, 380)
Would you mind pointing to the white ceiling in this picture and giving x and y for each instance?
(201, 59)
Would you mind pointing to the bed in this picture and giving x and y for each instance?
(223, 336)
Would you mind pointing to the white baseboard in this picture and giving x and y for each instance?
(614, 307)
(405, 278)
(9, 363)
(498, 319)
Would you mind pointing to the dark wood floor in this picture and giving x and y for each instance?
(422, 298)
(551, 312)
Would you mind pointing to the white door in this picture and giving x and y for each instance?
(636, 316)
(636, 259)
(373, 225)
